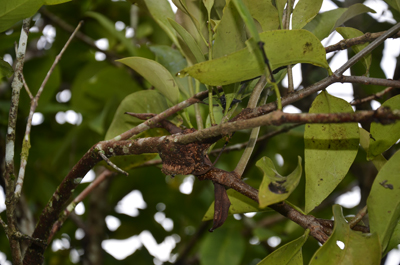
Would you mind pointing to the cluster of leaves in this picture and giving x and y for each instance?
(179, 62)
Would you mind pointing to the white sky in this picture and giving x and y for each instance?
(134, 201)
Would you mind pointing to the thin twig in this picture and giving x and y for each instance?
(111, 57)
(372, 97)
(9, 176)
(240, 146)
(347, 43)
(104, 175)
(359, 216)
(367, 49)
(111, 164)
(34, 103)
(26, 87)
(289, 8)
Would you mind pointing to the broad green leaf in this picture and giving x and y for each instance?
(330, 149)
(264, 12)
(352, 11)
(174, 62)
(189, 41)
(289, 254)
(110, 27)
(145, 101)
(346, 246)
(280, 49)
(384, 200)
(55, 2)
(12, 11)
(394, 239)
(6, 69)
(161, 11)
(275, 188)
(304, 12)
(230, 35)
(239, 204)
(247, 18)
(384, 136)
(349, 33)
(156, 74)
(324, 23)
(225, 246)
(365, 139)
(394, 4)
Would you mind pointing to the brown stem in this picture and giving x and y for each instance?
(372, 97)
(347, 43)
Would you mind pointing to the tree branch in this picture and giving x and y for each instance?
(347, 43)
(367, 49)
(9, 174)
(34, 103)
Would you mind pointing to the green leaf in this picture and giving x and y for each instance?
(394, 4)
(145, 101)
(208, 4)
(223, 247)
(230, 34)
(264, 12)
(324, 23)
(190, 42)
(349, 33)
(13, 11)
(384, 200)
(55, 2)
(330, 149)
(281, 51)
(110, 27)
(289, 254)
(174, 62)
(304, 12)
(161, 11)
(6, 69)
(248, 19)
(156, 74)
(358, 248)
(239, 204)
(275, 188)
(384, 136)
(394, 239)
(365, 139)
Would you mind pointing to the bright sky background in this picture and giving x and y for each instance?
(134, 201)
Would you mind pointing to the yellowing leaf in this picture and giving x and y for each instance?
(384, 200)
(304, 12)
(280, 48)
(346, 246)
(365, 139)
(275, 188)
(156, 74)
(330, 149)
(384, 136)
